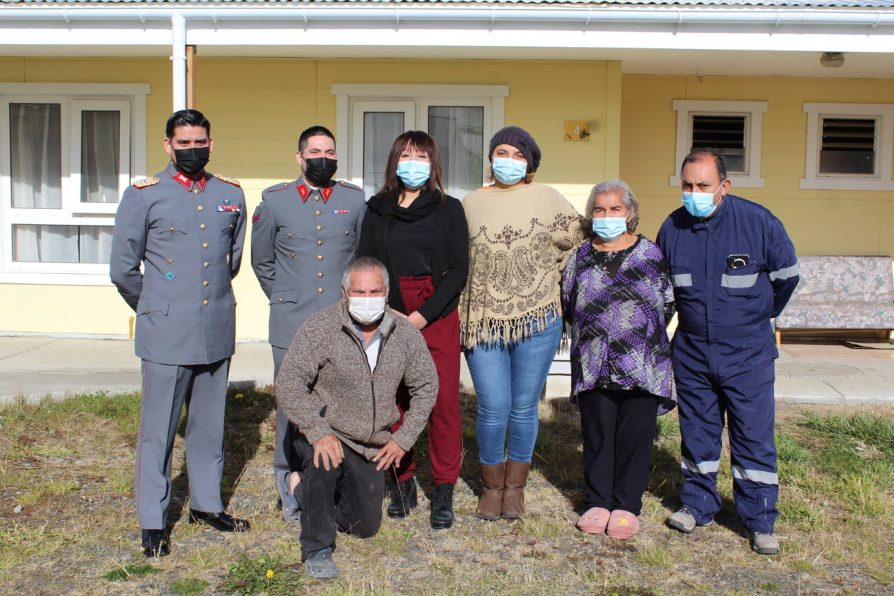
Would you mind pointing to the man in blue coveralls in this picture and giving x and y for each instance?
(733, 269)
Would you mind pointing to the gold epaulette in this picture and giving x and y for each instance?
(232, 181)
(143, 183)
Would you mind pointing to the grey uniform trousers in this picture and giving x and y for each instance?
(166, 387)
(285, 460)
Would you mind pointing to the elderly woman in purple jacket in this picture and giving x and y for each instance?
(617, 299)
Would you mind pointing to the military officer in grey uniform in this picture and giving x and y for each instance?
(185, 227)
(304, 233)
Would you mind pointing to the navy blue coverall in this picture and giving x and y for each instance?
(731, 273)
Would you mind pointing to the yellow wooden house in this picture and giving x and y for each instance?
(799, 94)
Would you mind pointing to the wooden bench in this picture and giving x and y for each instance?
(840, 293)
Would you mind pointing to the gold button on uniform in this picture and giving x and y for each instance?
(172, 229)
(347, 232)
(205, 283)
(205, 302)
(196, 191)
(202, 226)
(206, 264)
(204, 245)
(319, 257)
(280, 300)
(316, 198)
(319, 243)
(320, 290)
(319, 227)
(319, 274)
(201, 207)
(317, 213)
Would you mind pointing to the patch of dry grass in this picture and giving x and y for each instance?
(68, 466)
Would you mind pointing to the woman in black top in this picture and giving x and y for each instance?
(421, 235)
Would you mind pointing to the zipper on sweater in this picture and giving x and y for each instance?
(372, 382)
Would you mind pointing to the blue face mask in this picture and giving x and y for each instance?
(508, 170)
(609, 228)
(699, 204)
(414, 174)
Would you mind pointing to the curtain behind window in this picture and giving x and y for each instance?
(459, 133)
(36, 170)
(379, 131)
(36, 155)
(100, 153)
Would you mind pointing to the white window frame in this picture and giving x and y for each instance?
(130, 100)
(753, 112)
(352, 98)
(884, 147)
(78, 106)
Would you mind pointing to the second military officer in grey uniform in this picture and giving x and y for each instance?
(304, 233)
(185, 227)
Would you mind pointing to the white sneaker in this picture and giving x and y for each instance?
(684, 521)
(764, 544)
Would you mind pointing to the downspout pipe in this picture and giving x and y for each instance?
(495, 16)
(178, 57)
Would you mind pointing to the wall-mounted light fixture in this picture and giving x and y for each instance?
(832, 59)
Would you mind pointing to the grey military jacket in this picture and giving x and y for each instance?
(301, 241)
(188, 238)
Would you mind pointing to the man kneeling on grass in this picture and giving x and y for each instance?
(338, 386)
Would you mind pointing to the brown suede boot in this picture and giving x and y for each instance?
(514, 495)
(491, 501)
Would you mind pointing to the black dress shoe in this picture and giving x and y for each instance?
(222, 521)
(442, 507)
(155, 543)
(403, 498)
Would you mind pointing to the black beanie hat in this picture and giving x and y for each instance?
(521, 140)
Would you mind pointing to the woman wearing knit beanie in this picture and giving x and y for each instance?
(521, 233)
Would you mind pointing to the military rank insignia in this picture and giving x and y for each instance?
(144, 182)
(232, 181)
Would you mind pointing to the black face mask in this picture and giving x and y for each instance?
(319, 170)
(191, 161)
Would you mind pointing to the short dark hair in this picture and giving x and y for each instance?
(313, 131)
(392, 186)
(699, 154)
(187, 117)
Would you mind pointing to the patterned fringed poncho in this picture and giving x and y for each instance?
(519, 241)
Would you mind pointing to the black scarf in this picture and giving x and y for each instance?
(388, 209)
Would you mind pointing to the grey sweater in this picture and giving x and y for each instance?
(326, 387)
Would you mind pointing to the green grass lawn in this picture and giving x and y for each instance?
(67, 519)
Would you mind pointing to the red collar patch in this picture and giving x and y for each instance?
(188, 182)
(305, 191)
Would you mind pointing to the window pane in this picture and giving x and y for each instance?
(379, 131)
(459, 133)
(723, 134)
(61, 244)
(36, 155)
(100, 151)
(848, 146)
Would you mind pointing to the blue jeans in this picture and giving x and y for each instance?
(509, 379)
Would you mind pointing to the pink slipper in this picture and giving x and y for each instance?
(594, 520)
(622, 524)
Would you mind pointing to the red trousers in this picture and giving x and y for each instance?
(445, 441)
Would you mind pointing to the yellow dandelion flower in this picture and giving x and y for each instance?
(269, 574)
(239, 396)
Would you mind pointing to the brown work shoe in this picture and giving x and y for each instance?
(491, 501)
(514, 495)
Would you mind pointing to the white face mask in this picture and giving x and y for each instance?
(366, 309)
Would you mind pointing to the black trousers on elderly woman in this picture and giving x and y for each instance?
(618, 428)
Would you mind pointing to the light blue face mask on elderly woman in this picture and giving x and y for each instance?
(609, 228)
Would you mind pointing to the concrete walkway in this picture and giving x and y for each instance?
(35, 367)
